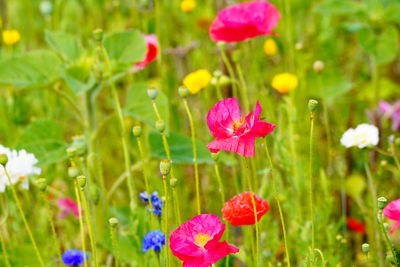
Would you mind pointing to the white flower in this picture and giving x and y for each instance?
(362, 136)
(20, 165)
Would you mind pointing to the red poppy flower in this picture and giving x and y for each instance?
(244, 21)
(232, 131)
(355, 225)
(152, 52)
(239, 210)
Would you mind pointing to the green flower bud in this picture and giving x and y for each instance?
(365, 248)
(137, 131)
(318, 66)
(312, 105)
(41, 183)
(183, 91)
(152, 93)
(81, 181)
(299, 46)
(113, 222)
(71, 151)
(382, 201)
(98, 35)
(160, 126)
(73, 172)
(3, 159)
(173, 182)
(165, 167)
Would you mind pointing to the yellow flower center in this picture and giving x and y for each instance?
(237, 123)
(202, 239)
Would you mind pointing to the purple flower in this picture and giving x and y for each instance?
(74, 257)
(391, 111)
(153, 240)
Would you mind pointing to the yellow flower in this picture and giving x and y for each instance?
(197, 80)
(270, 47)
(11, 37)
(188, 5)
(284, 82)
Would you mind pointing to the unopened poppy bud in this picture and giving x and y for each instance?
(165, 167)
(73, 172)
(312, 105)
(382, 201)
(318, 66)
(81, 181)
(94, 194)
(173, 182)
(224, 81)
(160, 126)
(217, 73)
(41, 183)
(365, 248)
(215, 156)
(299, 46)
(3, 159)
(183, 91)
(98, 35)
(137, 131)
(46, 7)
(152, 93)
(113, 222)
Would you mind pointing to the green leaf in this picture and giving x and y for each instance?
(66, 44)
(44, 138)
(139, 105)
(79, 79)
(33, 69)
(181, 149)
(333, 85)
(339, 7)
(127, 46)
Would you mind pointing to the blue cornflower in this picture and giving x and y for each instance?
(74, 257)
(153, 240)
(156, 202)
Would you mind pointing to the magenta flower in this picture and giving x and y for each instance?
(393, 111)
(232, 131)
(392, 212)
(67, 206)
(243, 21)
(152, 52)
(196, 242)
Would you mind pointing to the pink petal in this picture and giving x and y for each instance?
(152, 52)
(221, 116)
(392, 210)
(384, 106)
(394, 227)
(241, 145)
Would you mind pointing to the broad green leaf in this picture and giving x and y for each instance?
(181, 149)
(139, 105)
(126, 47)
(339, 7)
(79, 79)
(33, 69)
(66, 44)
(392, 12)
(44, 138)
(332, 85)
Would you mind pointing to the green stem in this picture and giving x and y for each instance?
(389, 243)
(89, 225)
(78, 199)
(220, 184)
(53, 229)
(166, 220)
(243, 87)
(310, 180)
(194, 147)
(21, 212)
(219, 92)
(278, 202)
(113, 233)
(230, 72)
(3, 248)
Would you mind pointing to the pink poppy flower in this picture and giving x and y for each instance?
(392, 212)
(196, 242)
(232, 131)
(152, 52)
(67, 206)
(393, 111)
(243, 21)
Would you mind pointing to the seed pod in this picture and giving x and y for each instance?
(137, 131)
(160, 126)
(152, 93)
(312, 105)
(183, 91)
(165, 167)
(382, 201)
(3, 159)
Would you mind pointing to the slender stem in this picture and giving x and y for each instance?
(3, 248)
(310, 180)
(194, 147)
(327, 125)
(389, 243)
(220, 184)
(394, 155)
(230, 72)
(278, 202)
(219, 92)
(53, 229)
(176, 206)
(113, 233)
(89, 225)
(78, 199)
(21, 212)
(243, 87)
(165, 214)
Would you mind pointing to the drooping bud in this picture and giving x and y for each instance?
(165, 167)
(98, 34)
(137, 131)
(160, 126)
(382, 201)
(113, 222)
(318, 66)
(41, 183)
(152, 93)
(3, 159)
(81, 181)
(365, 248)
(183, 91)
(73, 172)
(312, 105)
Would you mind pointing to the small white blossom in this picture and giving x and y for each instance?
(20, 165)
(362, 136)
